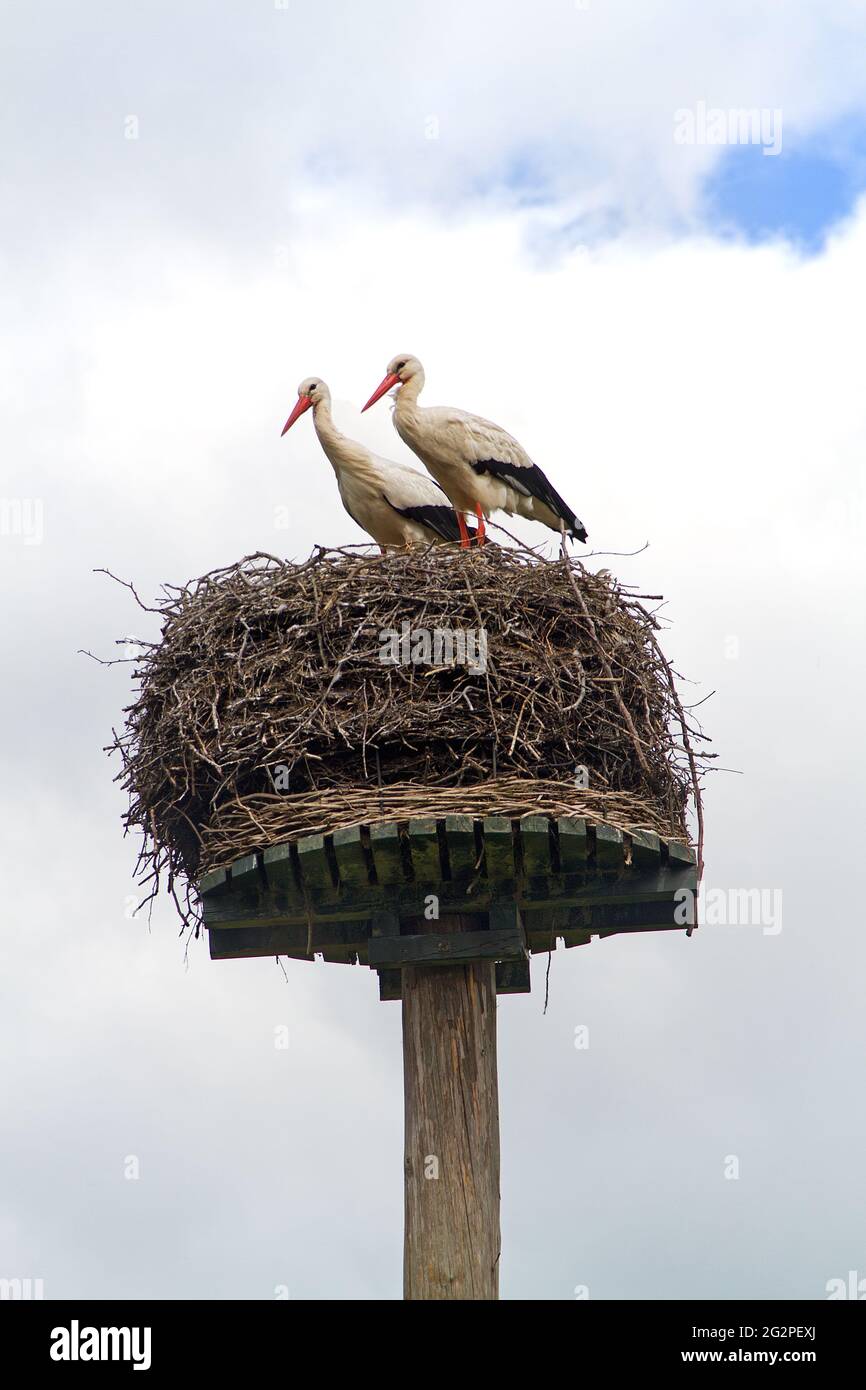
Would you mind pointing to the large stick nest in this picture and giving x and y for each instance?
(266, 710)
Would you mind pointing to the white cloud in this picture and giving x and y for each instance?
(236, 114)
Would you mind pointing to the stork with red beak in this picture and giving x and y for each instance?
(482, 468)
(396, 505)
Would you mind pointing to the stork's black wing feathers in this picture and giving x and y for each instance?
(530, 480)
(441, 520)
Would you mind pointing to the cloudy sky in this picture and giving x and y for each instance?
(203, 203)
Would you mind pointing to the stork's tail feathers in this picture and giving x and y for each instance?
(572, 525)
(531, 483)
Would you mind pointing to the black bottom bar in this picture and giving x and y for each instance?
(238, 1337)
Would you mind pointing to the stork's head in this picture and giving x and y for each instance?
(310, 392)
(401, 369)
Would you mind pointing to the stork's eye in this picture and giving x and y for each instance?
(400, 366)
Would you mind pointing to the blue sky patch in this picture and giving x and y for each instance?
(799, 194)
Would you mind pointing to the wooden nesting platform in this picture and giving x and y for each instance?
(373, 894)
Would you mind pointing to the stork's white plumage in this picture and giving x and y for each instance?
(481, 466)
(396, 505)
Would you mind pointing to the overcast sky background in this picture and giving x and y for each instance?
(675, 332)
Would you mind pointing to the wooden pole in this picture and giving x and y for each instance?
(452, 1240)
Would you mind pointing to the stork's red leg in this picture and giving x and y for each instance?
(482, 533)
(464, 533)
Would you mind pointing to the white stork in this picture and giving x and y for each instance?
(396, 505)
(482, 468)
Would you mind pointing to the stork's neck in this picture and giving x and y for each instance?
(407, 396)
(346, 456)
(335, 444)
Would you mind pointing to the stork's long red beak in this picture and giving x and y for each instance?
(391, 379)
(303, 404)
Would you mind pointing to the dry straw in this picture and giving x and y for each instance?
(267, 711)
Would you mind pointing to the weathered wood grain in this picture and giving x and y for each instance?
(609, 850)
(385, 848)
(424, 848)
(460, 840)
(679, 855)
(512, 976)
(571, 834)
(315, 869)
(535, 845)
(246, 882)
(390, 985)
(359, 904)
(349, 853)
(451, 1153)
(442, 947)
(498, 850)
(280, 876)
(375, 883)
